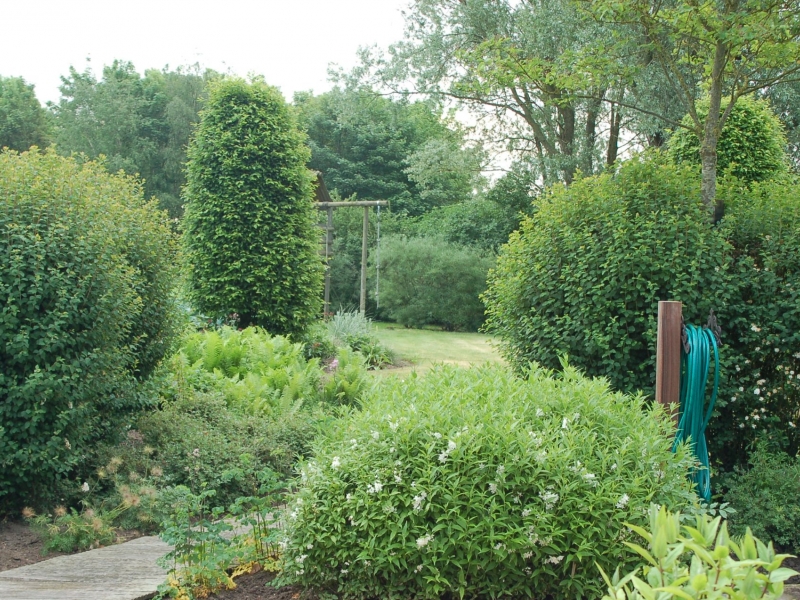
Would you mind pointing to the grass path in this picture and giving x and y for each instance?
(426, 347)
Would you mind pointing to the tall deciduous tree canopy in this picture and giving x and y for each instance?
(731, 48)
(140, 124)
(378, 148)
(23, 121)
(250, 238)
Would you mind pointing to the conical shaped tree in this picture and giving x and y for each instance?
(249, 233)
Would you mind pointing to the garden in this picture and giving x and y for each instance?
(485, 427)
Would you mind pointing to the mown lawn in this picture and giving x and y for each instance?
(425, 347)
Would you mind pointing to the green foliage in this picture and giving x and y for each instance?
(477, 483)
(351, 329)
(480, 223)
(249, 233)
(426, 280)
(23, 121)
(348, 381)
(765, 498)
(73, 531)
(380, 149)
(760, 390)
(139, 124)
(752, 144)
(720, 567)
(584, 275)
(201, 444)
(86, 275)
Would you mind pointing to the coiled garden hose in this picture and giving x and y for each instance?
(694, 414)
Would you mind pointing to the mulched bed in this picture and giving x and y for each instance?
(254, 587)
(793, 563)
(20, 545)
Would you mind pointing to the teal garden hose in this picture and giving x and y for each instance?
(694, 412)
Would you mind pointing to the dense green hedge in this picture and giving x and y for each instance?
(427, 280)
(86, 269)
(479, 484)
(583, 278)
(250, 239)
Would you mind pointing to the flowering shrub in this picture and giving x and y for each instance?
(478, 483)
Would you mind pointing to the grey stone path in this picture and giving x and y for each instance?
(125, 571)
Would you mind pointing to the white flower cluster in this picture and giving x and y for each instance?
(623, 501)
(335, 462)
(424, 541)
(375, 488)
(549, 498)
(443, 456)
(418, 500)
(554, 560)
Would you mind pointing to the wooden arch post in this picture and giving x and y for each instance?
(668, 354)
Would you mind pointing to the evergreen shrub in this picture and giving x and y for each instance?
(476, 483)
(86, 310)
(427, 280)
(249, 233)
(752, 145)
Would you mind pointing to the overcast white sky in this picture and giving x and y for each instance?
(290, 42)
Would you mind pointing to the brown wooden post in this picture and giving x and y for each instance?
(362, 305)
(668, 354)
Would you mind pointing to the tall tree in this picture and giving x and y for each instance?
(23, 121)
(140, 124)
(731, 47)
(509, 63)
(379, 148)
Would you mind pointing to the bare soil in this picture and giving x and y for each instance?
(20, 545)
(792, 563)
(254, 587)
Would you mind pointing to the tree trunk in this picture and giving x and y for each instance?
(711, 133)
(613, 135)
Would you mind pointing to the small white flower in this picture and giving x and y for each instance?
(528, 554)
(393, 425)
(85, 487)
(539, 412)
(549, 498)
(392, 450)
(196, 452)
(614, 467)
(301, 558)
(398, 478)
(348, 497)
(418, 500)
(375, 435)
(443, 457)
(437, 435)
(757, 391)
(554, 560)
(623, 501)
(418, 568)
(451, 445)
(526, 512)
(493, 488)
(500, 470)
(344, 571)
(335, 462)
(591, 479)
(564, 423)
(374, 488)
(310, 547)
(424, 541)
(499, 546)
(754, 328)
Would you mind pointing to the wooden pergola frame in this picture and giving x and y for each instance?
(325, 203)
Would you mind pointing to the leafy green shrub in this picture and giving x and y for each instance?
(347, 381)
(752, 143)
(86, 272)
(765, 497)
(720, 567)
(351, 329)
(760, 390)
(73, 531)
(427, 280)
(201, 444)
(318, 342)
(477, 483)
(249, 232)
(584, 275)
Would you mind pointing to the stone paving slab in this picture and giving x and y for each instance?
(125, 571)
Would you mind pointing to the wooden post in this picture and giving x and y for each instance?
(328, 252)
(362, 305)
(668, 354)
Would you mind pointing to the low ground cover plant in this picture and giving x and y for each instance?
(479, 483)
(765, 496)
(699, 561)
